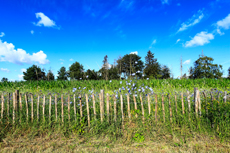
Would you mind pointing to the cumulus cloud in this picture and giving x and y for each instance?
(196, 18)
(20, 77)
(219, 32)
(23, 70)
(44, 20)
(5, 70)
(2, 34)
(224, 23)
(187, 62)
(71, 59)
(134, 52)
(200, 39)
(32, 32)
(19, 56)
(177, 41)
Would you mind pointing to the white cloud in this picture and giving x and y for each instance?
(62, 60)
(187, 62)
(19, 56)
(5, 70)
(32, 31)
(20, 77)
(23, 70)
(200, 39)
(196, 18)
(134, 52)
(219, 32)
(2, 34)
(165, 1)
(44, 20)
(224, 23)
(154, 42)
(71, 59)
(177, 41)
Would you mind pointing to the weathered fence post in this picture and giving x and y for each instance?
(50, 108)
(115, 108)
(101, 112)
(135, 104)
(62, 108)
(94, 108)
(32, 107)
(55, 101)
(170, 108)
(87, 107)
(182, 102)
(122, 113)
(81, 114)
(38, 108)
(8, 104)
(14, 107)
(74, 105)
(163, 107)
(149, 105)
(107, 103)
(20, 100)
(142, 108)
(27, 111)
(189, 105)
(44, 100)
(2, 97)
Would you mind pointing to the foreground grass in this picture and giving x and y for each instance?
(135, 136)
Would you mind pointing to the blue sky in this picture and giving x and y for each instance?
(56, 33)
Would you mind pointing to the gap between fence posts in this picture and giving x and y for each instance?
(149, 104)
(20, 101)
(163, 107)
(94, 108)
(32, 107)
(81, 114)
(14, 107)
(156, 108)
(189, 105)
(38, 108)
(182, 102)
(142, 108)
(129, 114)
(44, 100)
(74, 105)
(2, 97)
(8, 105)
(170, 109)
(55, 101)
(122, 113)
(69, 107)
(62, 108)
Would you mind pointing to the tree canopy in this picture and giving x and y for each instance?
(204, 68)
(34, 73)
(50, 75)
(62, 74)
(76, 71)
(152, 67)
(4, 79)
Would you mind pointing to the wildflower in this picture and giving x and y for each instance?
(110, 81)
(79, 88)
(74, 89)
(84, 87)
(120, 82)
(80, 78)
(147, 78)
(87, 76)
(136, 62)
(133, 74)
(143, 75)
(138, 72)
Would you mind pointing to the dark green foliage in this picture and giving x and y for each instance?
(91, 75)
(129, 64)
(34, 73)
(204, 68)
(4, 79)
(50, 75)
(76, 71)
(113, 73)
(229, 72)
(152, 67)
(165, 72)
(62, 74)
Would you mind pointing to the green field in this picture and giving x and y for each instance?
(177, 133)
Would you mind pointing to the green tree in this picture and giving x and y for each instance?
(229, 72)
(4, 79)
(165, 72)
(105, 68)
(34, 73)
(131, 64)
(76, 71)
(62, 74)
(113, 73)
(50, 75)
(152, 67)
(91, 75)
(204, 68)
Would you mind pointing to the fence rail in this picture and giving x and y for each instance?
(28, 107)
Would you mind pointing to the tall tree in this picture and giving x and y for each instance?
(131, 64)
(50, 75)
(229, 72)
(105, 68)
(165, 72)
(62, 74)
(4, 79)
(91, 75)
(34, 73)
(152, 67)
(113, 73)
(204, 68)
(76, 71)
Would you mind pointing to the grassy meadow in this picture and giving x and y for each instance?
(158, 130)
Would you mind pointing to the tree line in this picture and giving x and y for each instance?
(130, 66)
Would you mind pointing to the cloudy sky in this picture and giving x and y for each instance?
(56, 33)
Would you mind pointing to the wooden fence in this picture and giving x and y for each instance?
(15, 107)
